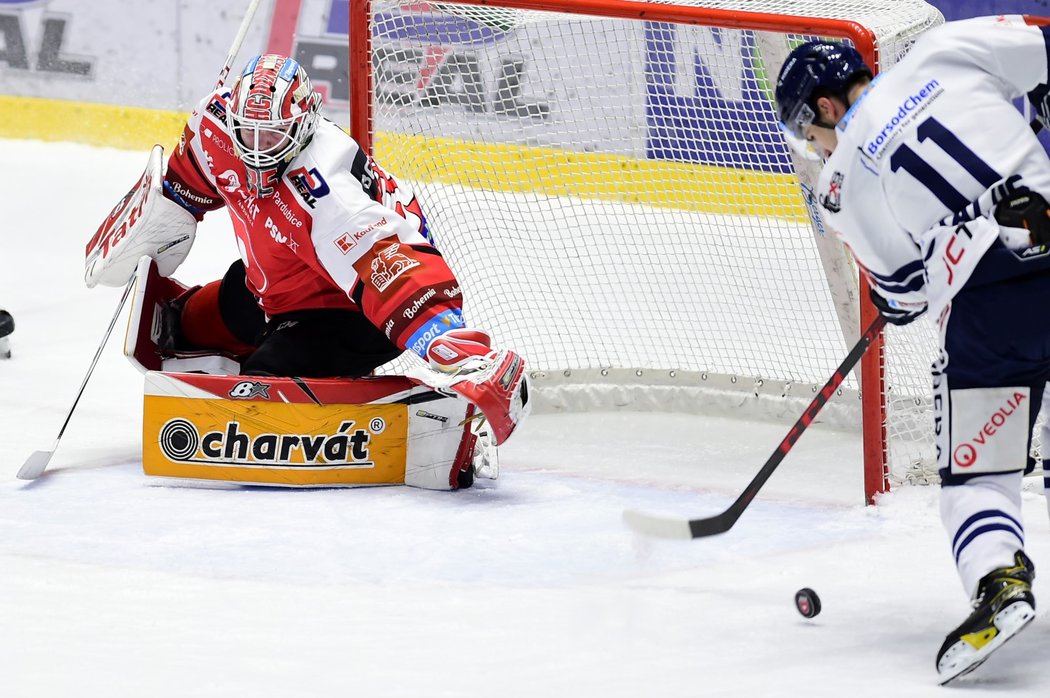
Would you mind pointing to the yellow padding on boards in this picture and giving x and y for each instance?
(290, 444)
(114, 126)
(555, 172)
(494, 166)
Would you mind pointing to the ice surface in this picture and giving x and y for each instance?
(529, 586)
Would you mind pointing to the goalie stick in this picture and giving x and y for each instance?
(667, 527)
(37, 462)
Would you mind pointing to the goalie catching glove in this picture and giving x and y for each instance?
(143, 224)
(494, 380)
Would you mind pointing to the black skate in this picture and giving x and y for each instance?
(7, 326)
(1003, 607)
(170, 340)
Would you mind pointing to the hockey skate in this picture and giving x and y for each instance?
(7, 326)
(1003, 607)
(494, 381)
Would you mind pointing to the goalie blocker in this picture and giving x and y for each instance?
(292, 432)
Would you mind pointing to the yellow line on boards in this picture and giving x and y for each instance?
(555, 172)
(107, 125)
(493, 166)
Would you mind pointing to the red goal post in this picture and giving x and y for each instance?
(531, 145)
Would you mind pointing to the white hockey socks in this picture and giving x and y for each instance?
(983, 521)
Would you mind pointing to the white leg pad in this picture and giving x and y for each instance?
(440, 444)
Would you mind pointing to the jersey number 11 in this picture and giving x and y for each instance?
(907, 159)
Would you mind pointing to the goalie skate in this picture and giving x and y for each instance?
(147, 344)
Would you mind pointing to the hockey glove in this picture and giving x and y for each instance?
(896, 312)
(1040, 99)
(1025, 212)
(494, 380)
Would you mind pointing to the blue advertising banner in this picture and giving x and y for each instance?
(962, 9)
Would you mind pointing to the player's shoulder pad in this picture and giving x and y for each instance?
(213, 104)
(332, 172)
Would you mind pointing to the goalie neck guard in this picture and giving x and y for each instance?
(272, 115)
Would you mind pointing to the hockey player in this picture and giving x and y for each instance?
(337, 272)
(938, 186)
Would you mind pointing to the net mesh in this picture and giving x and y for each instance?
(620, 207)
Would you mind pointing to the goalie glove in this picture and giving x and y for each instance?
(143, 224)
(495, 381)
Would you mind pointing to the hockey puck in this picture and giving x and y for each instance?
(807, 602)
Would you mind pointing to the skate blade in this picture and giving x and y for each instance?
(1009, 622)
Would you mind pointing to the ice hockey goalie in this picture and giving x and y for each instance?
(337, 276)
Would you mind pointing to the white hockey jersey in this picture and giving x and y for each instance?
(928, 139)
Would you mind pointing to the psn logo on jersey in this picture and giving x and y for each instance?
(309, 184)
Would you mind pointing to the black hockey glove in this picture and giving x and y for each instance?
(1026, 209)
(1040, 99)
(893, 312)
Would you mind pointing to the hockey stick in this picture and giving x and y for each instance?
(35, 465)
(37, 462)
(235, 48)
(664, 527)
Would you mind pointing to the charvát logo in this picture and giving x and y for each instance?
(181, 441)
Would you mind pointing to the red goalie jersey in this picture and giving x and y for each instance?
(334, 250)
(332, 230)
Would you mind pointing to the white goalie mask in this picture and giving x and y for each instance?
(272, 114)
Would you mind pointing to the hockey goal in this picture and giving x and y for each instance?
(607, 179)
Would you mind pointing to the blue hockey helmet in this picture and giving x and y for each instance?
(810, 66)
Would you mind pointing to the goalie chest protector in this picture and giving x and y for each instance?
(296, 432)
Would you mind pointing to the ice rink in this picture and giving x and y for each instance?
(111, 585)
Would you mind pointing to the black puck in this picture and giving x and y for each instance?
(807, 602)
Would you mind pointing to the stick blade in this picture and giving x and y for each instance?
(35, 465)
(657, 526)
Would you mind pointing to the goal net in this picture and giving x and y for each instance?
(608, 181)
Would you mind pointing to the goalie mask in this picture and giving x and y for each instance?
(272, 115)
